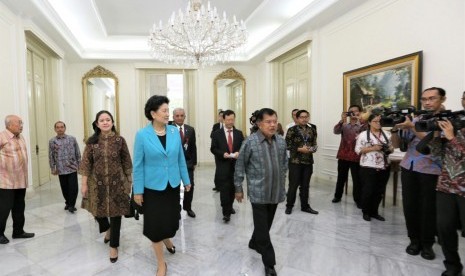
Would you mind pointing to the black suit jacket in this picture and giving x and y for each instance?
(225, 166)
(189, 145)
(215, 128)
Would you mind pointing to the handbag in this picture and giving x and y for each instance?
(135, 210)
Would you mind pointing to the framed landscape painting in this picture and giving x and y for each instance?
(394, 83)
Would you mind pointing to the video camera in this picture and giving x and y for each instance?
(429, 121)
(391, 116)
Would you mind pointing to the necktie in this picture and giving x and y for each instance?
(230, 143)
(182, 134)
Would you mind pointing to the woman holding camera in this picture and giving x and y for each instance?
(373, 146)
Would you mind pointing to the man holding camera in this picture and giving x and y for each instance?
(450, 192)
(346, 155)
(419, 175)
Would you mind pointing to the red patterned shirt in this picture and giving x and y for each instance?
(13, 161)
(349, 133)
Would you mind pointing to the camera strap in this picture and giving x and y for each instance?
(384, 135)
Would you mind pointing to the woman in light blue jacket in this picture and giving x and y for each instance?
(159, 167)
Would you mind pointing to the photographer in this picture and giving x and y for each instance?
(450, 195)
(373, 146)
(346, 155)
(419, 174)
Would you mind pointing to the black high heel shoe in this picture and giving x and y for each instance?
(113, 260)
(172, 250)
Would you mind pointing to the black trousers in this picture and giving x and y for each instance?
(374, 185)
(227, 195)
(419, 201)
(114, 224)
(187, 201)
(263, 215)
(12, 200)
(343, 167)
(299, 177)
(69, 188)
(450, 215)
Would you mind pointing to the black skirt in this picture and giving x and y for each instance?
(162, 212)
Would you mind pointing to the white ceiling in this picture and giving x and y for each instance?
(118, 29)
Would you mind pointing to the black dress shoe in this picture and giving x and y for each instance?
(215, 189)
(190, 213)
(233, 211)
(413, 249)
(378, 217)
(72, 210)
(451, 273)
(24, 236)
(427, 253)
(366, 217)
(310, 210)
(270, 271)
(66, 207)
(226, 218)
(288, 210)
(4, 240)
(172, 250)
(336, 200)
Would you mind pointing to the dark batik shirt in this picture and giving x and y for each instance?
(63, 154)
(349, 133)
(298, 136)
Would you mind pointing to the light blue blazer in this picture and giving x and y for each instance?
(154, 166)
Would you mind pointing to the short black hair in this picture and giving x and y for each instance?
(227, 113)
(295, 109)
(220, 112)
(357, 106)
(372, 116)
(265, 111)
(153, 104)
(441, 91)
(300, 112)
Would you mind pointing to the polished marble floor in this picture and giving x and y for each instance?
(335, 242)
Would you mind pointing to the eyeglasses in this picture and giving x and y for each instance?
(376, 121)
(303, 117)
(430, 99)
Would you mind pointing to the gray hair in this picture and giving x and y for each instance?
(179, 109)
(8, 119)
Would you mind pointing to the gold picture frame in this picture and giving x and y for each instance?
(391, 83)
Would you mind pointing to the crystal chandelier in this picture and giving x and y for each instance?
(197, 37)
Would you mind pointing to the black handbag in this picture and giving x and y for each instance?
(135, 210)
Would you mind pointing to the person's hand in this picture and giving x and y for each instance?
(84, 189)
(236, 155)
(376, 147)
(54, 171)
(447, 128)
(187, 188)
(226, 155)
(239, 197)
(405, 125)
(139, 199)
(343, 116)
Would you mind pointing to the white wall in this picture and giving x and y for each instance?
(378, 31)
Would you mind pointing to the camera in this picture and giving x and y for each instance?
(391, 116)
(385, 149)
(349, 113)
(429, 121)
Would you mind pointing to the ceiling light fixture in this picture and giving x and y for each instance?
(197, 37)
